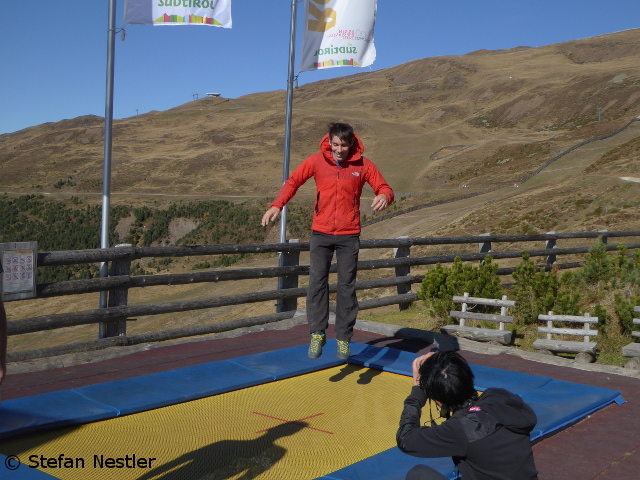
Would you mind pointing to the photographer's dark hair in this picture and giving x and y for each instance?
(447, 378)
(343, 131)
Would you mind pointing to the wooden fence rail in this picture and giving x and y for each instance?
(119, 283)
(73, 257)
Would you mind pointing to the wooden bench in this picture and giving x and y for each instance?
(632, 350)
(499, 335)
(585, 350)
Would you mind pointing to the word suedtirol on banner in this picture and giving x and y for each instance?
(178, 12)
(338, 33)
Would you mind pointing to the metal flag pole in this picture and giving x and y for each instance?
(287, 125)
(106, 172)
(287, 138)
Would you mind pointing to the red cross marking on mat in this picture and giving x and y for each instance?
(292, 421)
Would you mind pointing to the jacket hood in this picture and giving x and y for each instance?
(357, 149)
(507, 409)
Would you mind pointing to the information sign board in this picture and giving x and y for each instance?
(18, 268)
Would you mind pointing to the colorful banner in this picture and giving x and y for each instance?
(338, 33)
(178, 12)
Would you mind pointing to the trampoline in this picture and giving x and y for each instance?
(274, 415)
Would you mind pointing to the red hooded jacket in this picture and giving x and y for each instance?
(338, 188)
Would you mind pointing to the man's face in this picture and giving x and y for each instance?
(340, 149)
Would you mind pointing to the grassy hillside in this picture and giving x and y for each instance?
(432, 125)
(74, 225)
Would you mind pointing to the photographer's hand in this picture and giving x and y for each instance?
(415, 366)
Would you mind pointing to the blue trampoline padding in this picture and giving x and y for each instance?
(398, 361)
(22, 472)
(157, 390)
(559, 403)
(391, 464)
(292, 361)
(486, 377)
(384, 358)
(49, 410)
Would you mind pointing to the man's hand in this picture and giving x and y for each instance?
(417, 363)
(380, 202)
(270, 215)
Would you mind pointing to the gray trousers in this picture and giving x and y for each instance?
(346, 248)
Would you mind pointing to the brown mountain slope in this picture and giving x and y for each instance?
(434, 126)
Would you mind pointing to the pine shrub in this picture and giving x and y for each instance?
(624, 309)
(441, 284)
(539, 292)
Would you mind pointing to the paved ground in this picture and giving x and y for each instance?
(604, 446)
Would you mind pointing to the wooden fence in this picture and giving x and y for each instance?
(113, 318)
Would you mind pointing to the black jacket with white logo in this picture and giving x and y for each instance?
(487, 440)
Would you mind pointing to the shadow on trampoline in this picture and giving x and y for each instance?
(228, 458)
(366, 374)
(414, 340)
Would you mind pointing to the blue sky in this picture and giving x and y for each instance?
(54, 52)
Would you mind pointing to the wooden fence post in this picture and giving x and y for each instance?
(549, 325)
(485, 247)
(401, 271)
(463, 307)
(289, 281)
(604, 236)
(551, 243)
(117, 297)
(503, 312)
(586, 327)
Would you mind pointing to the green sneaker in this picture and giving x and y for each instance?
(317, 342)
(342, 352)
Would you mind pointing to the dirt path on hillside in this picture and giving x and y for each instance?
(426, 221)
(423, 222)
(577, 161)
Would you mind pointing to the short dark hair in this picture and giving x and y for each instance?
(447, 378)
(343, 131)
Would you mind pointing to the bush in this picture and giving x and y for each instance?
(441, 284)
(538, 292)
(598, 267)
(629, 268)
(603, 318)
(624, 310)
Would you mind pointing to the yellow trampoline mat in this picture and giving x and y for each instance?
(299, 428)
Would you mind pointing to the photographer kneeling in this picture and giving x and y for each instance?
(487, 436)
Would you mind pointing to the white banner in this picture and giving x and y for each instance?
(178, 12)
(338, 33)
